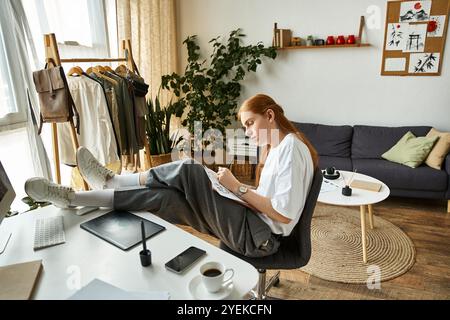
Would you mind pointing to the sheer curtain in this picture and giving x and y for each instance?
(16, 36)
(151, 27)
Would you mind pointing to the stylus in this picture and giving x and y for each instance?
(143, 236)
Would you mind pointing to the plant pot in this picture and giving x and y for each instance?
(160, 159)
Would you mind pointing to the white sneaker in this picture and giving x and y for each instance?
(93, 172)
(42, 190)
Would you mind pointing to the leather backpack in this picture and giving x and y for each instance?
(55, 100)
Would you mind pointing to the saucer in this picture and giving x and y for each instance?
(199, 292)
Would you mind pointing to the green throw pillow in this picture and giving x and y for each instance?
(410, 151)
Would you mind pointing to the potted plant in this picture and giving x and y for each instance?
(210, 90)
(158, 132)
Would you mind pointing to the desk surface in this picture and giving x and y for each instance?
(86, 257)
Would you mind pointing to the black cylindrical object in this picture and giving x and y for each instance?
(347, 191)
(146, 258)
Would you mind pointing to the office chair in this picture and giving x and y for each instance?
(294, 251)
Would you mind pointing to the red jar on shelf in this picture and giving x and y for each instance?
(340, 40)
(351, 39)
(330, 40)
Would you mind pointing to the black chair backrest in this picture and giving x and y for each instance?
(302, 231)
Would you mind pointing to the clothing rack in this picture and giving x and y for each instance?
(52, 57)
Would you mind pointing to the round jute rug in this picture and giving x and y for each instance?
(337, 252)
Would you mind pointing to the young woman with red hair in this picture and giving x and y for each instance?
(181, 191)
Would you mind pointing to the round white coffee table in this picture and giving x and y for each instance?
(331, 193)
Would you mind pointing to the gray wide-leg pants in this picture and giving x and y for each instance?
(181, 192)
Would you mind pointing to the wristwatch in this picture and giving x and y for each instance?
(241, 191)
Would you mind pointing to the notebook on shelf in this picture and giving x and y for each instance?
(366, 185)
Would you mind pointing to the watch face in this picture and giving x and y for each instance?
(242, 189)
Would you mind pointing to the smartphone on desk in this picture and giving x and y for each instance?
(185, 259)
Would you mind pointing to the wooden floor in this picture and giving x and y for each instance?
(426, 223)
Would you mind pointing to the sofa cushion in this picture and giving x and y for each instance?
(398, 176)
(440, 150)
(337, 162)
(410, 151)
(371, 142)
(335, 141)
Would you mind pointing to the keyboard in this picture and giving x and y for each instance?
(48, 232)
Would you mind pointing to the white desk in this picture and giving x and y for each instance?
(95, 258)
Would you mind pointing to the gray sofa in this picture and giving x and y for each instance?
(361, 147)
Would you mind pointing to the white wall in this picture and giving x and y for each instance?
(333, 86)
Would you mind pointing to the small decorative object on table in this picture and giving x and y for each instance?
(310, 41)
(331, 173)
(347, 191)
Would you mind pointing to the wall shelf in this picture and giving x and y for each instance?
(356, 45)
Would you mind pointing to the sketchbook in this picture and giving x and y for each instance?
(220, 189)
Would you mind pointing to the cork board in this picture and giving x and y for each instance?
(414, 40)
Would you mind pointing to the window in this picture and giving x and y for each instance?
(58, 12)
(82, 28)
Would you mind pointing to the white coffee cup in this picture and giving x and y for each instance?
(213, 276)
